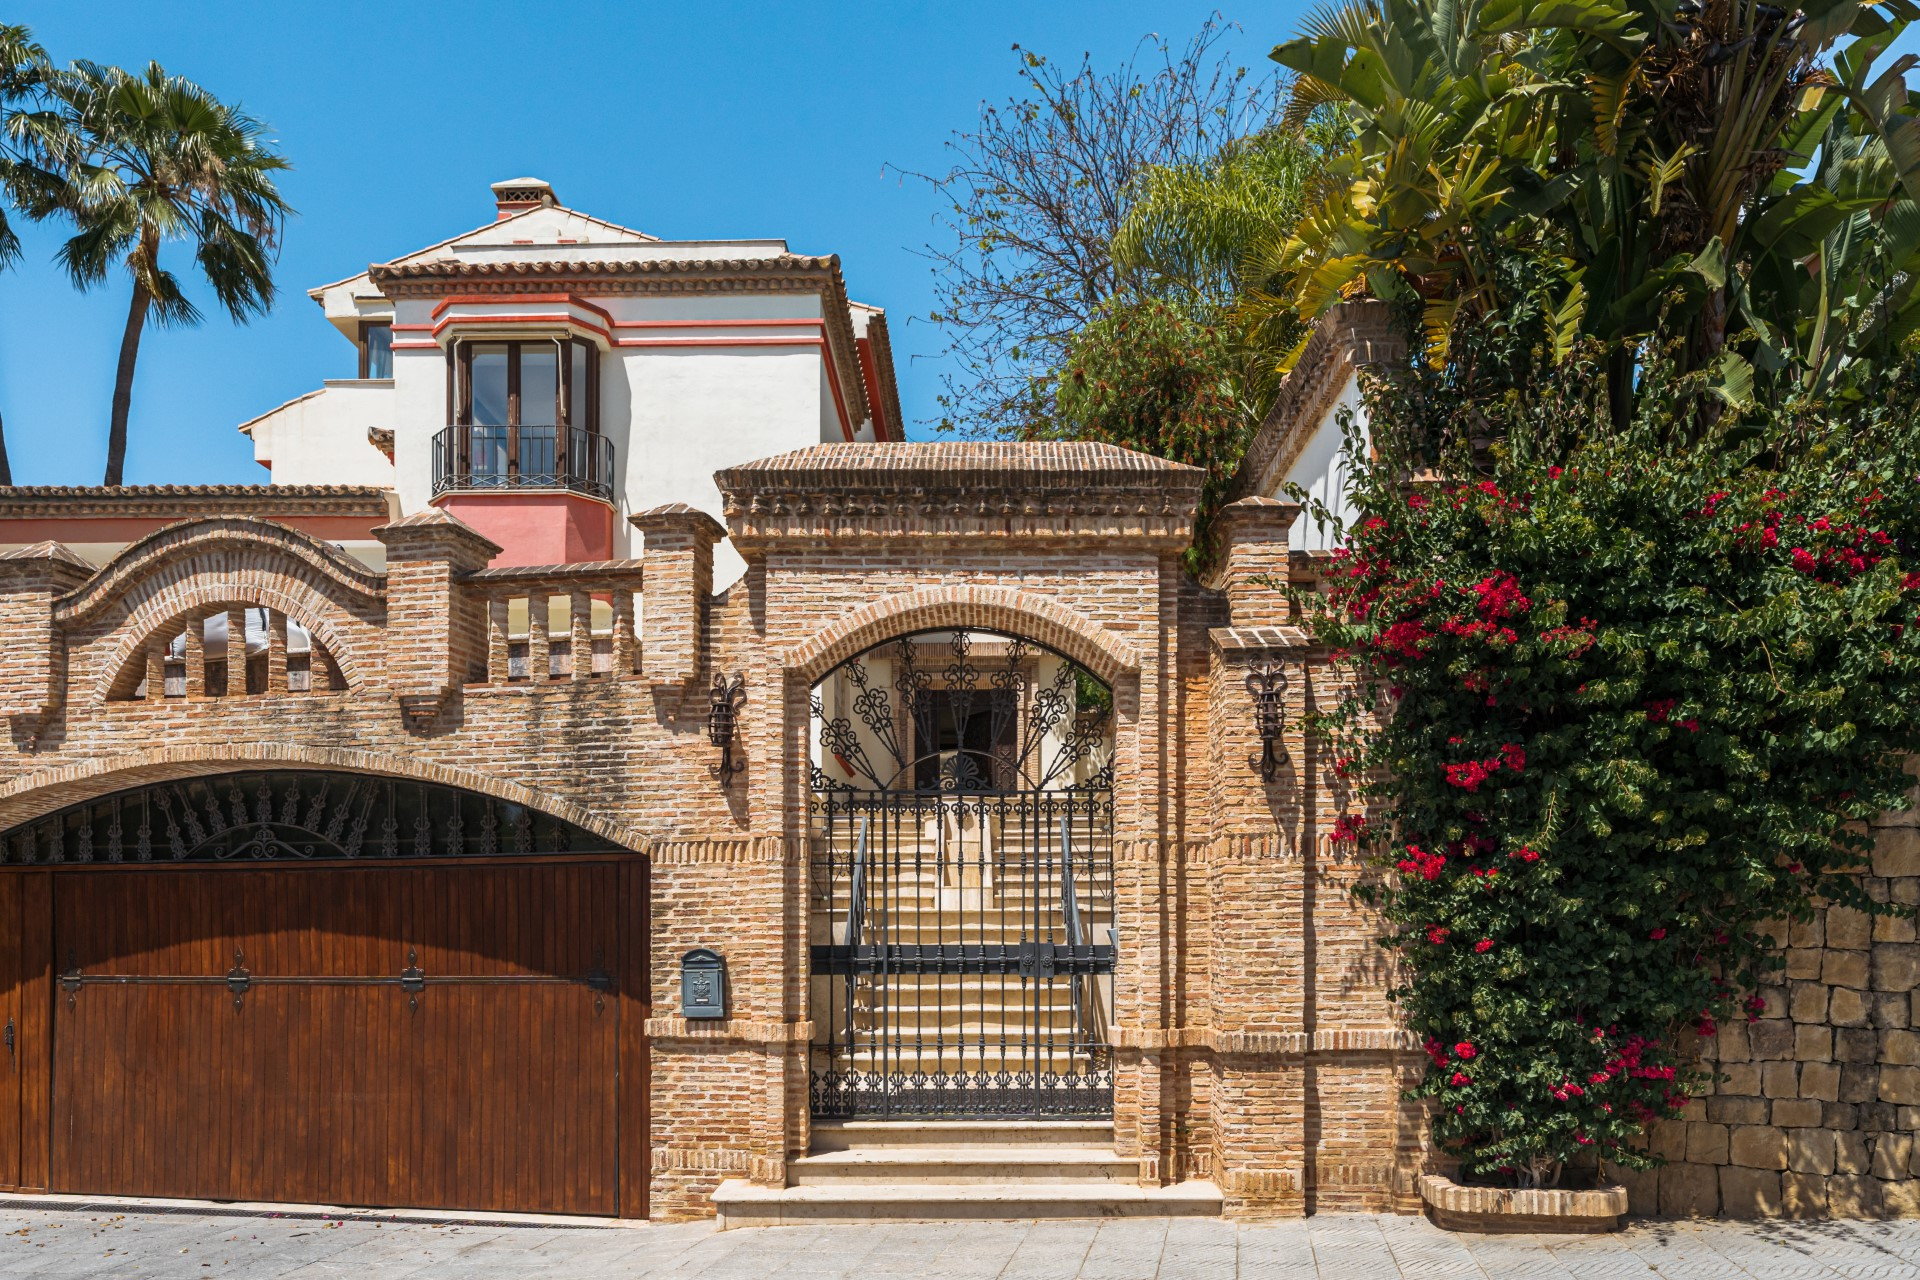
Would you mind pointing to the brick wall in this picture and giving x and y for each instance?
(1254, 1041)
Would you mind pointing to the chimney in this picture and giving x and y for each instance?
(517, 195)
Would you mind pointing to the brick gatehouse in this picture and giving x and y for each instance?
(457, 890)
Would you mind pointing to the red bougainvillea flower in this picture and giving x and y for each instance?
(1469, 774)
(1658, 934)
(1464, 1050)
(1500, 596)
(1459, 1078)
(1803, 560)
(1525, 854)
(1483, 946)
(1436, 1051)
(1514, 756)
(1437, 935)
(1348, 828)
(1427, 866)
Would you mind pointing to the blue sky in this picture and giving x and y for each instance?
(709, 120)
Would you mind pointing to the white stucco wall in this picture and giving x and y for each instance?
(322, 438)
(1321, 470)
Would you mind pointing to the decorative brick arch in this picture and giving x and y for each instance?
(349, 642)
(38, 794)
(1006, 609)
(242, 548)
(160, 581)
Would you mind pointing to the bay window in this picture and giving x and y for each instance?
(524, 413)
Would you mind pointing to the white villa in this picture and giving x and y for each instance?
(548, 374)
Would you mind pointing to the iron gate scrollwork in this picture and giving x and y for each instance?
(291, 816)
(961, 886)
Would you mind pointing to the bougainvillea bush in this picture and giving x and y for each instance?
(1624, 705)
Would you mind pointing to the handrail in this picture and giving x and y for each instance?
(857, 888)
(856, 910)
(1070, 908)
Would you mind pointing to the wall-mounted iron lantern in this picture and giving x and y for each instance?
(703, 984)
(1267, 683)
(723, 711)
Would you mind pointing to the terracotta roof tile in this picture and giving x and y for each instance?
(1102, 461)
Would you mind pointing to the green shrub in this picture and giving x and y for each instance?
(1621, 708)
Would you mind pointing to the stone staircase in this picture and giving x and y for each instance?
(906, 1170)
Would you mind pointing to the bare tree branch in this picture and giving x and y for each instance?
(1035, 194)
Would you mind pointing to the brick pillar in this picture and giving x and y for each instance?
(236, 653)
(196, 654)
(436, 629)
(499, 670)
(1252, 559)
(33, 678)
(624, 642)
(539, 650)
(276, 651)
(157, 668)
(677, 569)
(580, 634)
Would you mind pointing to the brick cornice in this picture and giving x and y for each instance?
(960, 490)
(246, 535)
(192, 501)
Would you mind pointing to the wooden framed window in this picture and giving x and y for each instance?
(376, 349)
(527, 406)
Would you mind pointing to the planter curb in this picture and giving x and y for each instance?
(1504, 1209)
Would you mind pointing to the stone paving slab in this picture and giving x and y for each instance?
(60, 1243)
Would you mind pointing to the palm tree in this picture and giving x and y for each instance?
(23, 69)
(162, 160)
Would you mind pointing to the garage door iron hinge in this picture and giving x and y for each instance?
(413, 979)
(239, 978)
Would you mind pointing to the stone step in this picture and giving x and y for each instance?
(847, 1135)
(962, 1165)
(742, 1204)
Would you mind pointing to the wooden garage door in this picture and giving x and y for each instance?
(426, 1036)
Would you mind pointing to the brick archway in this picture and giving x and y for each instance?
(41, 793)
(1003, 609)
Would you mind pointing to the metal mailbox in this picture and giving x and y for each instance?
(703, 984)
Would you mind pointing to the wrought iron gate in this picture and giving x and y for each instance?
(962, 882)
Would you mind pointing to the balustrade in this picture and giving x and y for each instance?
(559, 622)
(273, 654)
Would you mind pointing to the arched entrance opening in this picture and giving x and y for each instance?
(309, 986)
(961, 882)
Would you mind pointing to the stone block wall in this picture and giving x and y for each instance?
(1819, 1097)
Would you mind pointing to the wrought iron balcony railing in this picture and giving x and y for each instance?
(484, 458)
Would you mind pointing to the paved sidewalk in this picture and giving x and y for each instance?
(51, 1243)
